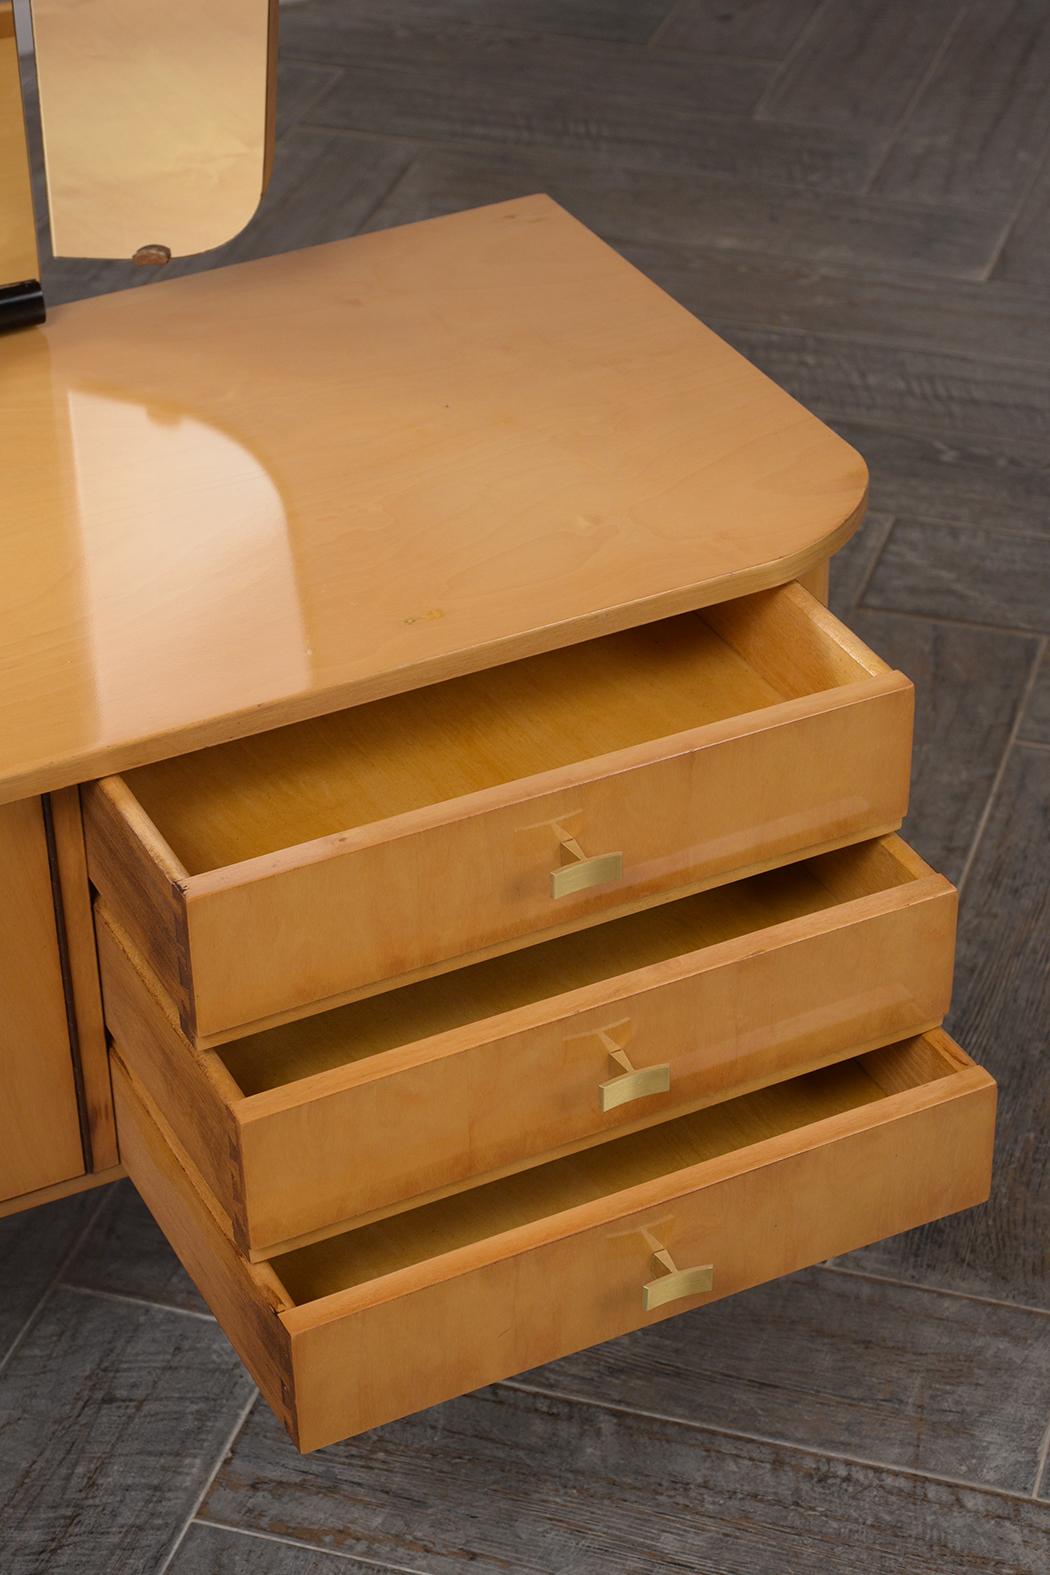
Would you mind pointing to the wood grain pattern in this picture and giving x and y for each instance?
(363, 1310)
(124, 1254)
(112, 1417)
(530, 520)
(825, 763)
(735, 218)
(981, 674)
(219, 1550)
(766, 29)
(780, 288)
(683, 1498)
(841, 1365)
(1035, 723)
(516, 86)
(33, 1249)
(35, 1052)
(861, 65)
(850, 568)
(244, 1297)
(79, 937)
(995, 405)
(978, 128)
(297, 209)
(965, 480)
(484, 1069)
(1002, 1004)
(141, 878)
(119, 179)
(1022, 260)
(59, 1190)
(981, 576)
(330, 26)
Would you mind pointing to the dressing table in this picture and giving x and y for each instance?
(450, 848)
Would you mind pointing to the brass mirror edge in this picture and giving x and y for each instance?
(19, 259)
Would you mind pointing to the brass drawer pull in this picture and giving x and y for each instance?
(634, 1082)
(584, 872)
(674, 1283)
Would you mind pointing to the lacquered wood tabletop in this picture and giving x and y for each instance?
(242, 498)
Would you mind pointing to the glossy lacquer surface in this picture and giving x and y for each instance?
(157, 120)
(256, 495)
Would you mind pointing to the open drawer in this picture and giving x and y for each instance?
(299, 1128)
(396, 1315)
(283, 873)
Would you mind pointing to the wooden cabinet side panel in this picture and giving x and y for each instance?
(400, 1356)
(39, 1120)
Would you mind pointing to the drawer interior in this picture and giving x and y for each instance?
(256, 795)
(412, 1237)
(281, 1056)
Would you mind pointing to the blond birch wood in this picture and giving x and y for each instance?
(405, 1313)
(449, 877)
(39, 1122)
(79, 933)
(60, 1189)
(419, 1090)
(471, 440)
(817, 580)
(157, 120)
(142, 879)
(246, 1298)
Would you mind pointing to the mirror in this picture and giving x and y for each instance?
(157, 121)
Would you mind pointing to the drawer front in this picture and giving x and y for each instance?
(628, 1051)
(274, 937)
(361, 1357)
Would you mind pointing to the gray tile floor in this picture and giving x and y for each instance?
(857, 194)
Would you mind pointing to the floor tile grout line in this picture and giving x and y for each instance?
(310, 1547)
(916, 517)
(1010, 224)
(231, 1439)
(653, 41)
(809, 1450)
(387, 194)
(56, 1279)
(1042, 1460)
(924, 522)
(893, 135)
(134, 1301)
(902, 274)
(997, 781)
(809, 26)
(1032, 635)
(876, 559)
(1023, 631)
(727, 323)
(863, 340)
(931, 1289)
